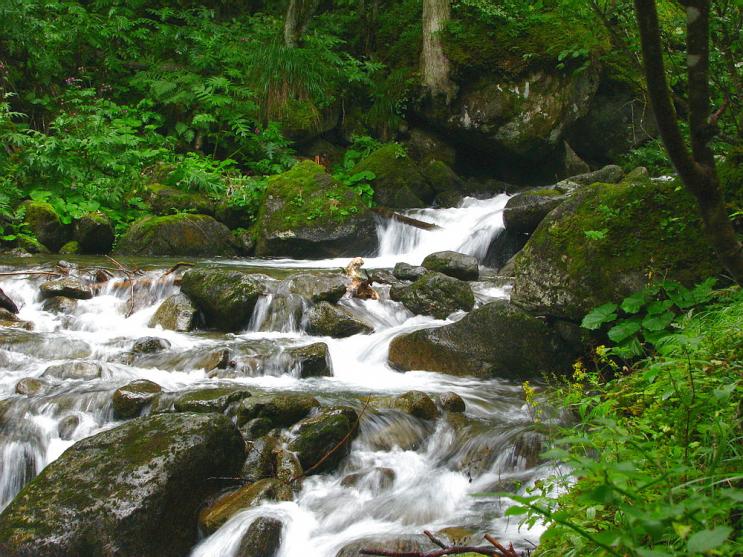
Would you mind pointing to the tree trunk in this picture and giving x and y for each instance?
(297, 18)
(696, 168)
(435, 67)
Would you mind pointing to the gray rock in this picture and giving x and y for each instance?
(312, 360)
(417, 404)
(435, 294)
(150, 345)
(262, 538)
(210, 400)
(68, 287)
(94, 233)
(453, 264)
(405, 271)
(317, 287)
(129, 400)
(283, 410)
(377, 479)
(67, 426)
(315, 437)
(524, 211)
(85, 371)
(176, 313)
(30, 386)
(60, 304)
(260, 460)
(451, 402)
(325, 319)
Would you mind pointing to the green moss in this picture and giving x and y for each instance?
(70, 248)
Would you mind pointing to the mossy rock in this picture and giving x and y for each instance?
(182, 234)
(68, 287)
(307, 213)
(30, 386)
(94, 233)
(226, 298)
(442, 178)
(165, 200)
(605, 241)
(495, 340)
(176, 313)
(260, 460)
(283, 410)
(435, 294)
(417, 404)
(425, 146)
(80, 370)
(312, 360)
(325, 319)
(132, 491)
(398, 184)
(317, 436)
(46, 225)
(129, 400)
(209, 400)
(454, 264)
(70, 248)
(262, 538)
(524, 211)
(317, 287)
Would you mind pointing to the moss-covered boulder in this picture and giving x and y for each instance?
(398, 182)
(30, 386)
(604, 242)
(316, 436)
(70, 248)
(425, 146)
(262, 538)
(312, 360)
(495, 340)
(282, 410)
(405, 271)
(94, 233)
(452, 402)
(454, 264)
(226, 298)
(8, 319)
(132, 491)
(68, 287)
(307, 213)
(210, 399)
(181, 234)
(165, 200)
(176, 313)
(129, 400)
(435, 294)
(325, 319)
(442, 178)
(417, 404)
(46, 225)
(260, 459)
(524, 211)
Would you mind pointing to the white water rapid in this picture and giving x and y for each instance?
(412, 475)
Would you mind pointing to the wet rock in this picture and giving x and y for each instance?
(325, 319)
(425, 146)
(447, 199)
(455, 535)
(94, 233)
(70, 248)
(260, 460)
(288, 468)
(503, 247)
(451, 402)
(246, 240)
(82, 370)
(495, 340)
(45, 224)
(309, 214)
(417, 404)
(317, 287)
(377, 479)
(43, 345)
(396, 430)
(8, 319)
(524, 211)
(6, 303)
(150, 345)
(281, 410)
(405, 271)
(129, 400)
(255, 428)
(527, 450)
(68, 287)
(109, 494)
(181, 234)
(67, 426)
(609, 174)
(316, 436)
(262, 538)
(212, 517)
(225, 297)
(441, 178)
(164, 200)
(458, 265)
(60, 304)
(209, 400)
(176, 313)
(435, 294)
(405, 544)
(312, 360)
(30, 386)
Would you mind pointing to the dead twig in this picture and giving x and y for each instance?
(175, 267)
(130, 276)
(30, 273)
(497, 549)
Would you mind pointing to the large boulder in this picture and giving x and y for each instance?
(165, 200)
(80, 370)
(94, 233)
(398, 182)
(68, 287)
(181, 234)
(524, 211)
(603, 243)
(453, 264)
(425, 146)
(325, 319)
(45, 224)
(225, 297)
(435, 294)
(332, 429)
(129, 400)
(176, 313)
(262, 539)
(210, 399)
(307, 213)
(495, 340)
(317, 287)
(282, 410)
(131, 491)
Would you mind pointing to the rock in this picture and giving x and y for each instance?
(45, 224)
(417, 404)
(572, 163)
(129, 400)
(316, 436)
(131, 491)
(495, 340)
(600, 245)
(94, 233)
(256, 428)
(288, 467)
(398, 182)
(503, 247)
(181, 234)
(226, 298)
(524, 211)
(209, 400)
(68, 287)
(281, 410)
(176, 313)
(309, 214)
(609, 174)
(435, 294)
(424, 146)
(84, 371)
(312, 360)
(453, 264)
(8, 319)
(164, 200)
(67, 426)
(317, 287)
(447, 199)
(377, 479)
(324, 319)
(70, 248)
(262, 538)
(412, 544)
(442, 178)
(150, 345)
(260, 460)
(60, 304)
(451, 402)
(246, 241)
(30, 386)
(404, 271)
(43, 346)
(212, 517)
(7, 304)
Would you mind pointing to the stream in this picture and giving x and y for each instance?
(444, 471)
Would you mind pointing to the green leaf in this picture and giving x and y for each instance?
(659, 307)
(642, 552)
(623, 330)
(598, 316)
(634, 302)
(708, 539)
(658, 322)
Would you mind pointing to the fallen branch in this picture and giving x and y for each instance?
(30, 273)
(392, 215)
(130, 276)
(175, 267)
(496, 550)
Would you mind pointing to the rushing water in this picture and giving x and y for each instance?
(434, 470)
